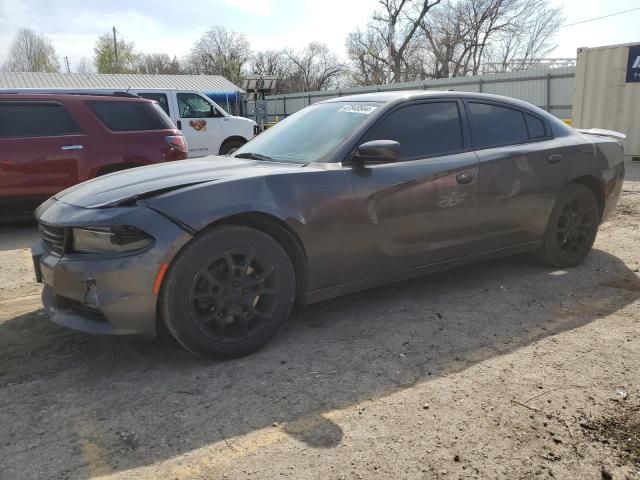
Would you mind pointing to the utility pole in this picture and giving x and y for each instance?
(115, 47)
(66, 62)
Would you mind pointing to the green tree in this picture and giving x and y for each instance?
(105, 55)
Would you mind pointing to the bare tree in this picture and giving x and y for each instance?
(466, 36)
(490, 22)
(367, 52)
(30, 52)
(158, 64)
(190, 65)
(222, 52)
(314, 68)
(84, 66)
(270, 62)
(273, 63)
(527, 40)
(389, 48)
(397, 24)
(444, 35)
(483, 19)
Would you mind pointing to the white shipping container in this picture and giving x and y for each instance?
(607, 92)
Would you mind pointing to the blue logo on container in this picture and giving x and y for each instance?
(633, 64)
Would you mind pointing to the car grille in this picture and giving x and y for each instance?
(53, 237)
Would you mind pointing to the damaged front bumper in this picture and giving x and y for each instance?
(104, 293)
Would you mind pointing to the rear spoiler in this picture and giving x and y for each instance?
(602, 132)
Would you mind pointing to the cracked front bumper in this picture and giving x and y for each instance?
(105, 293)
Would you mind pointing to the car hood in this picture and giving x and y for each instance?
(128, 186)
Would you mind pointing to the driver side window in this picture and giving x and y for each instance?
(192, 105)
(423, 129)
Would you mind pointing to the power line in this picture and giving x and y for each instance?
(600, 18)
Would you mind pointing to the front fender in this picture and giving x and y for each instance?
(198, 206)
(312, 203)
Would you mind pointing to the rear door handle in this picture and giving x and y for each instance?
(71, 147)
(553, 159)
(464, 178)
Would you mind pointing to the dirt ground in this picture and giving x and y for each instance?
(506, 370)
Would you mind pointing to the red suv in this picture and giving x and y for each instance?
(50, 141)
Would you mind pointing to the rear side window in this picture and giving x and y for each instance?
(535, 126)
(161, 98)
(35, 119)
(422, 130)
(493, 125)
(125, 116)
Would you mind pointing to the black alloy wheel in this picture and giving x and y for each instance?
(572, 227)
(234, 295)
(228, 291)
(576, 227)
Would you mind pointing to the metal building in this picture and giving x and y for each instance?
(607, 92)
(218, 88)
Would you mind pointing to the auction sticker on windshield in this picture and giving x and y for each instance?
(363, 109)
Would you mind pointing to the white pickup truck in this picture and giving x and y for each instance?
(209, 130)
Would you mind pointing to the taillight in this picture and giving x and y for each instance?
(178, 142)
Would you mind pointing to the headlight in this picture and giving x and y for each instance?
(109, 239)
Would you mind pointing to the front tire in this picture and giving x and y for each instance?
(228, 292)
(230, 146)
(572, 227)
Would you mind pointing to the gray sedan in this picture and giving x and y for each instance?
(345, 195)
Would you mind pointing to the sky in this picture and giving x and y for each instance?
(173, 26)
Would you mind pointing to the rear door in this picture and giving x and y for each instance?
(522, 170)
(133, 133)
(200, 123)
(42, 149)
(421, 209)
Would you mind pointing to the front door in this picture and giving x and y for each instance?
(200, 124)
(422, 209)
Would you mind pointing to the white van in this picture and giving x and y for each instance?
(209, 130)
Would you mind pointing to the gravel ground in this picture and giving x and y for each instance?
(506, 370)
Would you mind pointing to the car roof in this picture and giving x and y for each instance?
(404, 95)
(395, 97)
(67, 96)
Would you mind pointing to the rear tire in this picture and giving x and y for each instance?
(228, 292)
(572, 227)
(230, 146)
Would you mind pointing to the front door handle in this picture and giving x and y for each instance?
(72, 147)
(553, 159)
(464, 178)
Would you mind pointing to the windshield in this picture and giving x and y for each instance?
(310, 134)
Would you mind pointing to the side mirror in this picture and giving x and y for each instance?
(378, 151)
